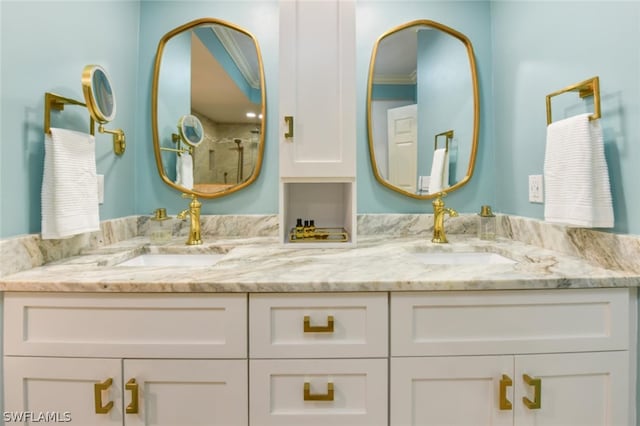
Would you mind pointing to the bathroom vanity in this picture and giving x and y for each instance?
(379, 334)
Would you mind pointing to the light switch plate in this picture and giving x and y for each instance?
(535, 189)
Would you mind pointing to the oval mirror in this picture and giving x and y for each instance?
(208, 77)
(423, 109)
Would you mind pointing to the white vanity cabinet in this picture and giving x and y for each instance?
(477, 355)
(362, 358)
(127, 359)
(318, 359)
(317, 109)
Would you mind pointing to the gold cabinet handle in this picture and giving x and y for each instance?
(97, 396)
(289, 120)
(505, 382)
(132, 386)
(308, 396)
(537, 392)
(308, 328)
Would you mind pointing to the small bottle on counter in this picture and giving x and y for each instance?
(305, 228)
(312, 228)
(160, 227)
(486, 224)
(299, 232)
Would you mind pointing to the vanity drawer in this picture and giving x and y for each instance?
(278, 397)
(126, 325)
(509, 322)
(278, 330)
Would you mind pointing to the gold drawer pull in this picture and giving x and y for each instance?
(132, 386)
(308, 396)
(505, 382)
(289, 120)
(308, 328)
(97, 396)
(537, 392)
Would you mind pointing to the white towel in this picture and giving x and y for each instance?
(439, 171)
(423, 184)
(184, 170)
(69, 192)
(576, 177)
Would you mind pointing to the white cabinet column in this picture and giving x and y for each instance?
(317, 88)
(317, 114)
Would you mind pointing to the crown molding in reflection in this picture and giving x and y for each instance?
(226, 36)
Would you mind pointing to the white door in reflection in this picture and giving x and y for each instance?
(403, 147)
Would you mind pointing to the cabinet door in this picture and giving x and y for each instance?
(451, 391)
(186, 392)
(62, 390)
(578, 389)
(317, 88)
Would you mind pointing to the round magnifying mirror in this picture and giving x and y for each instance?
(191, 130)
(98, 94)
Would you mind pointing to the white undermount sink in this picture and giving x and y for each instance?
(157, 259)
(461, 258)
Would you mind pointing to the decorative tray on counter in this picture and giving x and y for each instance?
(321, 235)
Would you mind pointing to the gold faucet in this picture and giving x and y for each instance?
(439, 211)
(194, 214)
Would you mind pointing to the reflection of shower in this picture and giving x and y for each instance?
(240, 167)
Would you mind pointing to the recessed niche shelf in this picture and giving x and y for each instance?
(330, 204)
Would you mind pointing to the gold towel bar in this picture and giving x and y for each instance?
(589, 87)
(448, 136)
(178, 150)
(57, 102)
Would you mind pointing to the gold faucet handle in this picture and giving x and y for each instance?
(194, 204)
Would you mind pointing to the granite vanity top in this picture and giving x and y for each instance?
(261, 264)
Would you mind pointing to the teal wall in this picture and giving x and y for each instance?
(524, 50)
(541, 47)
(44, 47)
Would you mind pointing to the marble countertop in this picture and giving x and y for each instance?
(261, 264)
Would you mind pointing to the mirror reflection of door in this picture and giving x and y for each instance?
(432, 67)
(403, 146)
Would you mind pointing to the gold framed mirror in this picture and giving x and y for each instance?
(212, 70)
(423, 109)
